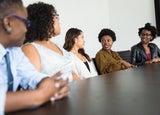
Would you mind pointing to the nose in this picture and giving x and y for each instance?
(104, 42)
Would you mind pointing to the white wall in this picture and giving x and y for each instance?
(126, 16)
(123, 16)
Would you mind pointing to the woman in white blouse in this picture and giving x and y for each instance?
(45, 55)
(74, 43)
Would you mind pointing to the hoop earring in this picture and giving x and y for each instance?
(9, 30)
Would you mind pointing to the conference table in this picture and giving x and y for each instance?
(134, 91)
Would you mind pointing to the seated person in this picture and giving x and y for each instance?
(44, 54)
(16, 68)
(3, 90)
(74, 43)
(107, 60)
(145, 52)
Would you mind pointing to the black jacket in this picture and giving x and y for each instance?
(138, 55)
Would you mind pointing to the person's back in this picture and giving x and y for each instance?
(52, 62)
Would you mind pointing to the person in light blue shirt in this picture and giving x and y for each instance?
(23, 72)
(15, 67)
(3, 89)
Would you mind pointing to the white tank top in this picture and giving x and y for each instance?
(52, 62)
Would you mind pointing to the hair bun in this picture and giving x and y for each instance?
(147, 25)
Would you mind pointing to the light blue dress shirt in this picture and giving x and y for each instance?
(24, 73)
(3, 89)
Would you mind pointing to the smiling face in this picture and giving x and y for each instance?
(145, 36)
(106, 42)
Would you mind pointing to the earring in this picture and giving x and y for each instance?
(9, 30)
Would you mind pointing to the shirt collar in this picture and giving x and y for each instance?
(3, 51)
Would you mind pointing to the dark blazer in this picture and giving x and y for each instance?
(138, 55)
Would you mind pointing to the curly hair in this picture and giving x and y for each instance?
(9, 6)
(42, 25)
(71, 34)
(150, 28)
(107, 32)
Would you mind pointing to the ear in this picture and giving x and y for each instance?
(75, 40)
(7, 25)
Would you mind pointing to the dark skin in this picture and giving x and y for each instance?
(107, 43)
(53, 87)
(146, 37)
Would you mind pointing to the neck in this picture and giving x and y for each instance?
(4, 40)
(74, 50)
(145, 45)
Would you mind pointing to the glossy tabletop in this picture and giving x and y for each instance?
(135, 91)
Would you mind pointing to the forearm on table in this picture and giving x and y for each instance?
(22, 99)
(29, 98)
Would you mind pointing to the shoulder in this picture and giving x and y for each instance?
(100, 52)
(114, 52)
(28, 47)
(15, 51)
(153, 44)
(136, 46)
(16, 54)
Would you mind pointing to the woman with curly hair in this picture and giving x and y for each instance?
(45, 55)
(145, 52)
(106, 59)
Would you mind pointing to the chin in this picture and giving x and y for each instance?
(106, 49)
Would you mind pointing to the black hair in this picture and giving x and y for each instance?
(107, 32)
(150, 28)
(9, 6)
(42, 25)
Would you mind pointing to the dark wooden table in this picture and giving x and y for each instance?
(134, 91)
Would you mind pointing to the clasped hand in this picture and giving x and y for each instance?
(61, 85)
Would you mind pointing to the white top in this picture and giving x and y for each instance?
(81, 70)
(52, 62)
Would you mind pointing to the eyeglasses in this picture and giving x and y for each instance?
(147, 35)
(24, 20)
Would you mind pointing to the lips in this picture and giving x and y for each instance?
(143, 39)
(106, 47)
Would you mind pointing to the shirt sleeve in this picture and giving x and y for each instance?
(26, 72)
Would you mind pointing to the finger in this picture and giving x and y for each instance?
(52, 98)
(62, 93)
(61, 83)
(64, 89)
(57, 75)
(61, 96)
(57, 85)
